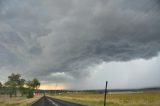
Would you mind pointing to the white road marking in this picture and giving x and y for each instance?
(52, 102)
(34, 102)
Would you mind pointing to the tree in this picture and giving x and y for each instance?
(14, 82)
(1, 85)
(30, 89)
(36, 83)
(1, 89)
(32, 85)
(21, 84)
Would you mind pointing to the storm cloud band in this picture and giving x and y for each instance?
(42, 38)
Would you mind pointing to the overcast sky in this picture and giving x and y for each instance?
(79, 44)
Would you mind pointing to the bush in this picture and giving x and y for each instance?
(30, 93)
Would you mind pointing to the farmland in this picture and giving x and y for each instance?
(113, 99)
(148, 98)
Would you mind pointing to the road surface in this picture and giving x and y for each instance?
(47, 101)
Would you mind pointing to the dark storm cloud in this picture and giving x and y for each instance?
(40, 37)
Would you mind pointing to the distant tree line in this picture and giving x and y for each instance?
(17, 84)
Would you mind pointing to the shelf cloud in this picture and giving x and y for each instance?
(59, 40)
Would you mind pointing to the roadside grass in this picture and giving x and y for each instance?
(114, 99)
(5, 100)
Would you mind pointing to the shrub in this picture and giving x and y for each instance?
(30, 93)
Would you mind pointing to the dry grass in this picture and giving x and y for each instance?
(15, 101)
(116, 99)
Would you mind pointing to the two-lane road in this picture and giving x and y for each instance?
(48, 101)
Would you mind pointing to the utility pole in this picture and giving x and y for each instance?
(105, 94)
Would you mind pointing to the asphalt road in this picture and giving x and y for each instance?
(47, 101)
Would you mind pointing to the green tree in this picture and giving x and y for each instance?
(14, 82)
(30, 89)
(1, 90)
(21, 82)
(32, 86)
(22, 89)
(36, 83)
(1, 85)
(29, 84)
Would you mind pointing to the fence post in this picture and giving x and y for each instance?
(105, 94)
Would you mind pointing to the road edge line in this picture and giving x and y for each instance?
(34, 102)
(52, 102)
(68, 101)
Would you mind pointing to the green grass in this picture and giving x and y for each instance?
(116, 99)
(16, 101)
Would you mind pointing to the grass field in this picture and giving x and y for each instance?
(94, 99)
(116, 99)
(15, 101)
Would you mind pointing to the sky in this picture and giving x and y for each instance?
(80, 44)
